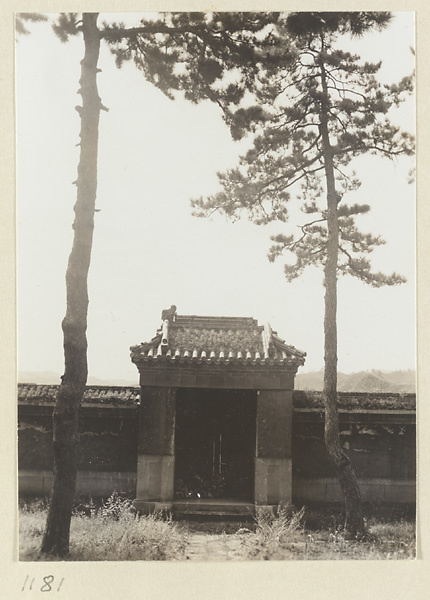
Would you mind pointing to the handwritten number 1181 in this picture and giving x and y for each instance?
(48, 584)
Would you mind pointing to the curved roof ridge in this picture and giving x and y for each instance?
(194, 338)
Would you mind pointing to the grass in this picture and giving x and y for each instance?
(275, 537)
(286, 537)
(112, 531)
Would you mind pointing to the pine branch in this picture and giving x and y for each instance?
(21, 19)
(360, 268)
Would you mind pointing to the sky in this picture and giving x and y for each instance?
(150, 252)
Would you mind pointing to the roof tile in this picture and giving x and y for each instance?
(196, 339)
(30, 393)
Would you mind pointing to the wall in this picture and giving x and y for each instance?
(107, 458)
(377, 431)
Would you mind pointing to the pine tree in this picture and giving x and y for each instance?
(196, 54)
(316, 108)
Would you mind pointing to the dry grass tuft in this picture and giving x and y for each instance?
(113, 532)
(273, 535)
(284, 537)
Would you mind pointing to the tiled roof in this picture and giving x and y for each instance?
(357, 400)
(219, 340)
(30, 393)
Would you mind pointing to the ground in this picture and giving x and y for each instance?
(113, 532)
(290, 539)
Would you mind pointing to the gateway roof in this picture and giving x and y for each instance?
(198, 339)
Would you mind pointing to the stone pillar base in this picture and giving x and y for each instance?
(273, 481)
(155, 478)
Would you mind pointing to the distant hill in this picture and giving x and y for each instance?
(363, 381)
(398, 377)
(39, 377)
(51, 378)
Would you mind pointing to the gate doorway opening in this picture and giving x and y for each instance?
(215, 444)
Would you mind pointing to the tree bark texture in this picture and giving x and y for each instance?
(71, 390)
(354, 523)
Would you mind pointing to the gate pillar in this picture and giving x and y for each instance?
(273, 462)
(156, 449)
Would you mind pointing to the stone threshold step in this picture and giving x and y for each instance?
(210, 513)
(212, 508)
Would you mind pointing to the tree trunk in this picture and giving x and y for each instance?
(71, 390)
(354, 523)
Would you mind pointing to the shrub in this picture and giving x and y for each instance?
(284, 537)
(113, 532)
(272, 533)
(115, 507)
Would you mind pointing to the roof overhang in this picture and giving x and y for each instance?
(201, 351)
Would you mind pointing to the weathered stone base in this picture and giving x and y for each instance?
(327, 490)
(273, 481)
(98, 484)
(155, 478)
(310, 490)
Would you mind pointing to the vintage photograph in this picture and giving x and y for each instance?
(216, 220)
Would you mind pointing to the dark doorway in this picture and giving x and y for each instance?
(215, 444)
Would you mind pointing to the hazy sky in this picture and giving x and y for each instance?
(149, 252)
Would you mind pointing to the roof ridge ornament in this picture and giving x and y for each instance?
(267, 338)
(164, 336)
(201, 340)
(169, 314)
